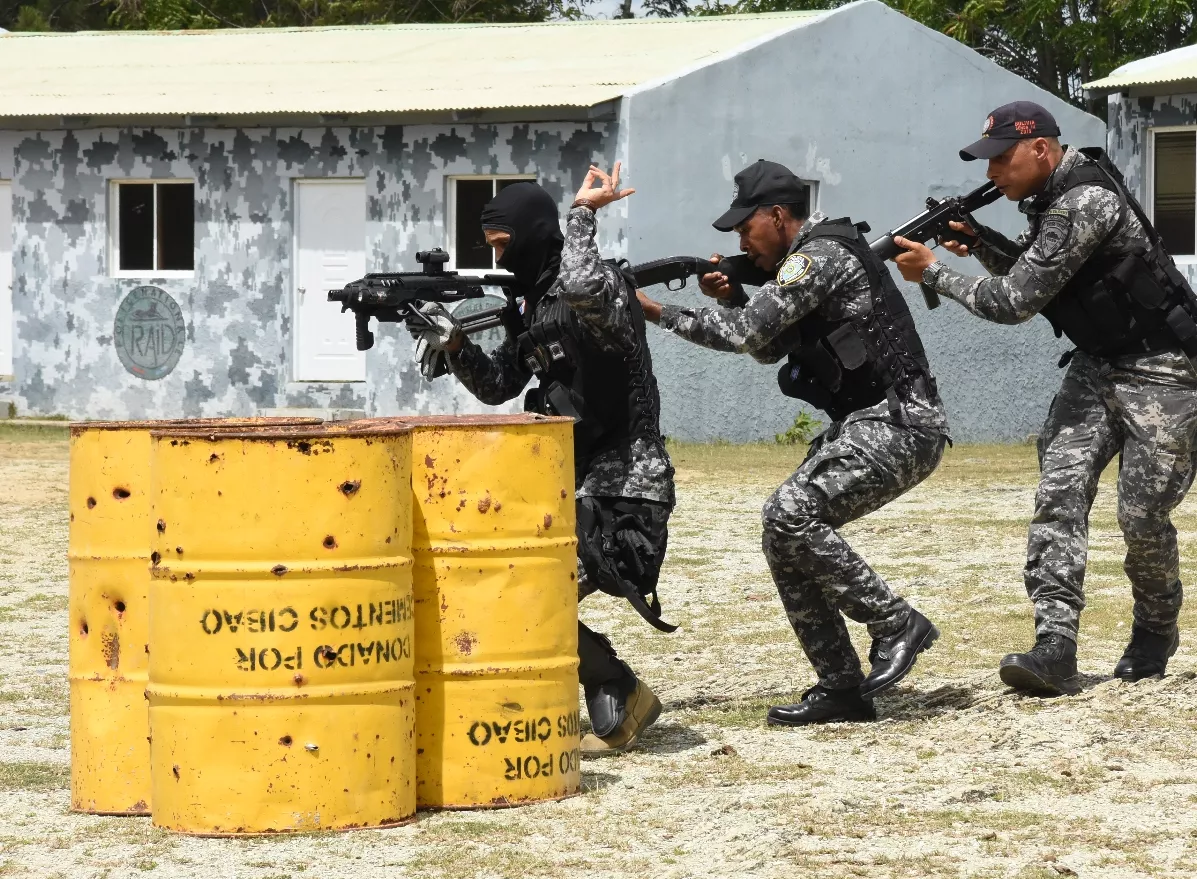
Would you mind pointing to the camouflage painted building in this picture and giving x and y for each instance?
(176, 204)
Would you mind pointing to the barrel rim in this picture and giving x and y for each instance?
(79, 427)
(519, 419)
(270, 433)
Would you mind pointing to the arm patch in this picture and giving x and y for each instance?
(795, 268)
(1054, 231)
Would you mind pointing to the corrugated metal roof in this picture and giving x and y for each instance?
(370, 69)
(1175, 66)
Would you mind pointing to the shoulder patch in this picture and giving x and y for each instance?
(793, 269)
(1054, 231)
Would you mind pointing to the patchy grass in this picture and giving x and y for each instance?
(959, 778)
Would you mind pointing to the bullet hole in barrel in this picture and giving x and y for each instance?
(91, 502)
(83, 629)
(327, 654)
(179, 550)
(350, 486)
(563, 492)
(175, 769)
(278, 570)
(299, 680)
(285, 741)
(121, 493)
(548, 521)
(155, 557)
(330, 542)
(161, 526)
(213, 458)
(120, 607)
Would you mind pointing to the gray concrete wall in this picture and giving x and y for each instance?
(237, 307)
(874, 107)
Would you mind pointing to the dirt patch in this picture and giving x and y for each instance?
(960, 777)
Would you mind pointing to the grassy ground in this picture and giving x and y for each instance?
(959, 777)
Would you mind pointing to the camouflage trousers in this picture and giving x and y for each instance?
(851, 469)
(1151, 423)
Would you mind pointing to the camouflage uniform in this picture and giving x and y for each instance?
(856, 466)
(1141, 407)
(598, 295)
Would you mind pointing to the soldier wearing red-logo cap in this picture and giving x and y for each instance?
(1093, 265)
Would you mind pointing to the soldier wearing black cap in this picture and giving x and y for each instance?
(850, 349)
(1092, 264)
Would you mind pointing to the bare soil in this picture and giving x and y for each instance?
(959, 777)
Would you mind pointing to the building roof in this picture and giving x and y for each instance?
(362, 70)
(1179, 65)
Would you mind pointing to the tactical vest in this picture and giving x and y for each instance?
(1123, 300)
(611, 395)
(842, 366)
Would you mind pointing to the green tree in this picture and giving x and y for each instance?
(1056, 44)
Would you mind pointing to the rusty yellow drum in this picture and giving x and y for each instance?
(496, 610)
(109, 549)
(280, 675)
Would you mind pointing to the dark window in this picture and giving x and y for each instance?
(156, 223)
(136, 206)
(469, 198)
(1176, 189)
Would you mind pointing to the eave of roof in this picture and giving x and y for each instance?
(365, 70)
(1174, 67)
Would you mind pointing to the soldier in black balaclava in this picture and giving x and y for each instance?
(580, 332)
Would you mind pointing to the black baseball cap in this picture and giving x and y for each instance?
(1009, 124)
(761, 183)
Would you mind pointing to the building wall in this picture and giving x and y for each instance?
(874, 108)
(237, 307)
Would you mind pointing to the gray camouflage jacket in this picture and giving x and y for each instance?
(598, 295)
(834, 284)
(1029, 271)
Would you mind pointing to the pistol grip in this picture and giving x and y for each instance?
(930, 297)
(365, 338)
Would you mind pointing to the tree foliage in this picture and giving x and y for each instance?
(1056, 44)
(70, 15)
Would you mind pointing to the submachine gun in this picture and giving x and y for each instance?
(932, 224)
(397, 296)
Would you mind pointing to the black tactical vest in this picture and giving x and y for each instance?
(842, 366)
(1124, 300)
(612, 396)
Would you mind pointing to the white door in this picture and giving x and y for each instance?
(330, 251)
(6, 327)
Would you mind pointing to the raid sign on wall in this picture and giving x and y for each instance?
(155, 227)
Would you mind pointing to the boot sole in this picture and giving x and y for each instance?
(928, 640)
(770, 721)
(1027, 681)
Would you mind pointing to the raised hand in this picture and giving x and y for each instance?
(601, 189)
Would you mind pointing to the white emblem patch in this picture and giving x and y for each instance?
(793, 269)
(735, 191)
(988, 125)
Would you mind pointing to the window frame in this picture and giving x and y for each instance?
(451, 215)
(114, 230)
(1149, 184)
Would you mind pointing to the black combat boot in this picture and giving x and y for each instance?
(1147, 654)
(1047, 669)
(820, 705)
(893, 657)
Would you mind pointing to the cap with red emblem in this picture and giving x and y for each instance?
(1009, 124)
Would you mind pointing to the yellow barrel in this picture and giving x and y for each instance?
(280, 675)
(109, 553)
(496, 593)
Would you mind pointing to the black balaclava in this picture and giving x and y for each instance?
(529, 215)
